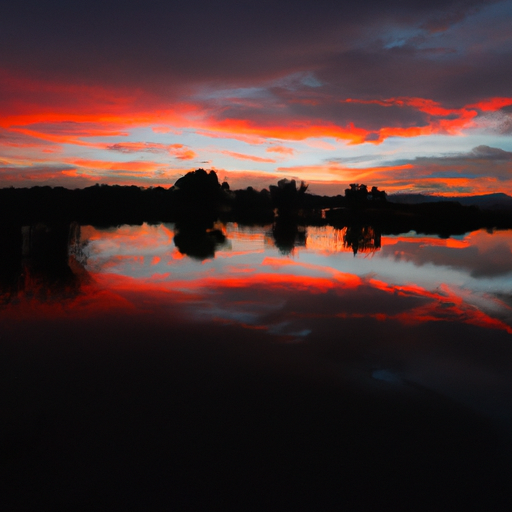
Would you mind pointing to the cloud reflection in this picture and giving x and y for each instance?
(138, 268)
(482, 254)
(367, 326)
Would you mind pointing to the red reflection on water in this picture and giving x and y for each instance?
(426, 240)
(278, 291)
(344, 296)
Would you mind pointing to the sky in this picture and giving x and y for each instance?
(410, 96)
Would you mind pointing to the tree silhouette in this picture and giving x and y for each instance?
(358, 193)
(199, 186)
(199, 195)
(286, 197)
(378, 195)
(288, 234)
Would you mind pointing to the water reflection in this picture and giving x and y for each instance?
(456, 277)
(61, 256)
(48, 262)
(184, 340)
(198, 239)
(361, 238)
(482, 254)
(288, 234)
(42, 262)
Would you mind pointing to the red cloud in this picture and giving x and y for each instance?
(66, 113)
(241, 156)
(139, 166)
(292, 130)
(492, 104)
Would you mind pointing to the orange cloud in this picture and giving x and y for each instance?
(137, 166)
(241, 156)
(332, 170)
(290, 131)
(441, 120)
(421, 104)
(35, 107)
(281, 150)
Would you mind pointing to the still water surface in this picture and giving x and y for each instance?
(448, 302)
(458, 289)
(410, 316)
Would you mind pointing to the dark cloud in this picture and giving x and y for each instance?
(167, 45)
(499, 121)
(370, 116)
(15, 139)
(489, 153)
(40, 175)
(180, 151)
(476, 155)
(269, 69)
(452, 78)
(292, 105)
(453, 14)
(355, 159)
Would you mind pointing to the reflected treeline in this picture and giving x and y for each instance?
(361, 239)
(41, 261)
(443, 219)
(48, 261)
(288, 234)
(288, 228)
(198, 240)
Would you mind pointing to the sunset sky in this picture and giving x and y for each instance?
(411, 96)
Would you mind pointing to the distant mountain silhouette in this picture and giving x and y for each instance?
(497, 201)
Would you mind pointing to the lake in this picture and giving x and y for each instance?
(153, 367)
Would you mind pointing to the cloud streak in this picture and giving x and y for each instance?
(179, 151)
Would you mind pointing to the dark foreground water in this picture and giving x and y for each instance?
(134, 377)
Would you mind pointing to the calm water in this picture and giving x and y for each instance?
(257, 344)
(464, 285)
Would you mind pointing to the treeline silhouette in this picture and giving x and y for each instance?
(198, 199)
